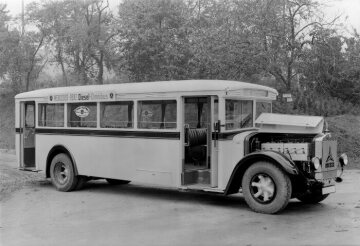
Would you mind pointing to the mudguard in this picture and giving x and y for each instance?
(54, 151)
(277, 158)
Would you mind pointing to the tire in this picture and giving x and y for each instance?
(62, 173)
(117, 181)
(312, 198)
(266, 188)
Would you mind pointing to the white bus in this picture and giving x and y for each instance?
(208, 135)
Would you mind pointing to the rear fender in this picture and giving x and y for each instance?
(57, 150)
(276, 158)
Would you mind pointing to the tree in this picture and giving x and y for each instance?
(154, 43)
(21, 61)
(281, 30)
(332, 69)
(79, 33)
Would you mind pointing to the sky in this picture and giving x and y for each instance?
(349, 9)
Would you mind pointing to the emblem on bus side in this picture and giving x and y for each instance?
(147, 114)
(82, 111)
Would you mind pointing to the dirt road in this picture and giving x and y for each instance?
(36, 214)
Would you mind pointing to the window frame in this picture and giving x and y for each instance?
(137, 118)
(38, 107)
(262, 101)
(68, 112)
(252, 100)
(118, 102)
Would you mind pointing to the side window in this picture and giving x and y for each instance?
(116, 115)
(157, 114)
(51, 115)
(239, 114)
(82, 114)
(262, 107)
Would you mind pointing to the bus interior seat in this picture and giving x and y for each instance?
(197, 150)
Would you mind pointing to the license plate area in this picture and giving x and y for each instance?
(328, 189)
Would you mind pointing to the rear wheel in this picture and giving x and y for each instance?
(266, 188)
(312, 198)
(62, 173)
(117, 181)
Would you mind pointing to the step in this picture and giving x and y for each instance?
(201, 176)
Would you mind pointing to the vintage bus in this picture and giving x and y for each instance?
(207, 135)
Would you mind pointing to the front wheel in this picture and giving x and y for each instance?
(312, 198)
(266, 188)
(62, 173)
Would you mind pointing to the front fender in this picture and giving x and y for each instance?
(276, 158)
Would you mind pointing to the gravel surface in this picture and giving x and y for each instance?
(12, 179)
(34, 213)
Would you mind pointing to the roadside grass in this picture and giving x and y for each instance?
(7, 125)
(346, 130)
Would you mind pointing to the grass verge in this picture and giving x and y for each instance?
(346, 130)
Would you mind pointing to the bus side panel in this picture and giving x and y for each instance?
(153, 161)
(229, 155)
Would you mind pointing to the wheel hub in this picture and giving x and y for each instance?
(262, 188)
(61, 173)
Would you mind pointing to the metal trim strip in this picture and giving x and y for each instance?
(109, 133)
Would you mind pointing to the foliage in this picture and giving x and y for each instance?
(346, 130)
(153, 39)
(313, 103)
(79, 34)
(20, 61)
(287, 44)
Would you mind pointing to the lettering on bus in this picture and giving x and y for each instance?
(59, 98)
(76, 97)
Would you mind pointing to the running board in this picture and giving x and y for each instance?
(197, 187)
(29, 170)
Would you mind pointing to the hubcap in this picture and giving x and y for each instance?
(61, 173)
(262, 188)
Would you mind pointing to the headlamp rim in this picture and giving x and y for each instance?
(344, 159)
(316, 162)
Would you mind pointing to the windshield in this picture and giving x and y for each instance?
(239, 114)
(262, 107)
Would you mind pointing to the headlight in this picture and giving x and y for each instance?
(343, 159)
(316, 162)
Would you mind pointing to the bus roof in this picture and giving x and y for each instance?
(180, 86)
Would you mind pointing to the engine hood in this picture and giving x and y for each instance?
(285, 123)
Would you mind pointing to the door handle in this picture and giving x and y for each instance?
(186, 135)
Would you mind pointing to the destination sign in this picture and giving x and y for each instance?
(81, 97)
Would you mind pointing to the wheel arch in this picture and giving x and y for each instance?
(58, 149)
(276, 158)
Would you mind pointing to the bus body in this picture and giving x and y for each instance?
(209, 135)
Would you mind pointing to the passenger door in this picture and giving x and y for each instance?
(199, 149)
(27, 135)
